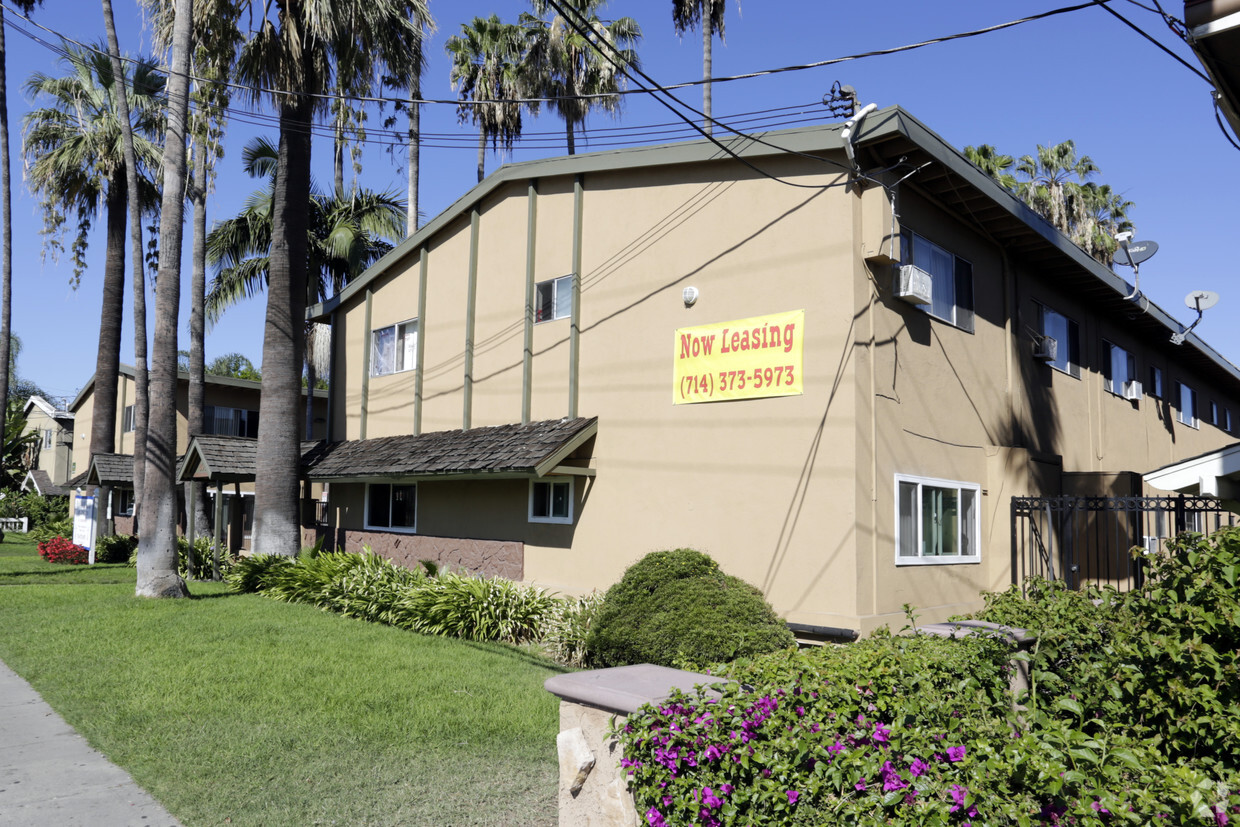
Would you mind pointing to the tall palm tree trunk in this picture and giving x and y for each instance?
(482, 154)
(141, 395)
(107, 362)
(707, 36)
(277, 513)
(194, 500)
(6, 235)
(157, 553)
(568, 131)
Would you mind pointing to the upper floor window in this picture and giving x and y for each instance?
(393, 507)
(951, 280)
(551, 501)
(1120, 371)
(394, 348)
(937, 521)
(1187, 414)
(1155, 389)
(223, 421)
(553, 299)
(1054, 325)
(127, 420)
(47, 438)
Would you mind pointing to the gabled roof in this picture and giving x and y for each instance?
(533, 449)
(229, 458)
(109, 469)
(888, 139)
(38, 481)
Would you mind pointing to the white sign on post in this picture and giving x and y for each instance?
(84, 523)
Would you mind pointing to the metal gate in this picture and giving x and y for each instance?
(1082, 540)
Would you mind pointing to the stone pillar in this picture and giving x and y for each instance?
(593, 788)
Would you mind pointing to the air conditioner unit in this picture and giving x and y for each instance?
(1046, 348)
(913, 284)
(1132, 390)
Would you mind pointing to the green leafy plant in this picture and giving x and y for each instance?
(566, 627)
(52, 528)
(677, 608)
(115, 548)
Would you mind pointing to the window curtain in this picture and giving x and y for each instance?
(383, 355)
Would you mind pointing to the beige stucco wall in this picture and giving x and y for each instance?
(794, 494)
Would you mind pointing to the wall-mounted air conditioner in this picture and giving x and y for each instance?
(1132, 390)
(1046, 348)
(913, 284)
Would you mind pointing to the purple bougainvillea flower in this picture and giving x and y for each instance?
(918, 767)
(882, 733)
(959, 794)
(800, 712)
(955, 753)
(836, 748)
(793, 795)
(726, 789)
(655, 818)
(709, 798)
(860, 785)
(1220, 817)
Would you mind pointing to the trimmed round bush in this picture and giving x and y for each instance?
(677, 608)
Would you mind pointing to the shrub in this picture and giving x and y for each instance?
(52, 529)
(60, 550)
(477, 608)
(116, 548)
(256, 572)
(37, 509)
(677, 608)
(566, 626)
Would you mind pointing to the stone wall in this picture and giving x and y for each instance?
(490, 558)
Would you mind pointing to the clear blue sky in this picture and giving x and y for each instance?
(1146, 121)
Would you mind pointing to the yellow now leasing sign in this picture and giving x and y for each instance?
(742, 359)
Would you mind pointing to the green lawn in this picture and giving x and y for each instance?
(238, 708)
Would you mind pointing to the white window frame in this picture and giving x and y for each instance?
(1069, 345)
(413, 529)
(1116, 355)
(404, 348)
(943, 560)
(561, 294)
(552, 483)
(945, 287)
(127, 420)
(1192, 420)
(47, 438)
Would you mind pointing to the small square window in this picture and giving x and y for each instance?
(394, 349)
(937, 521)
(391, 507)
(551, 501)
(1120, 372)
(1187, 408)
(1054, 325)
(553, 299)
(951, 280)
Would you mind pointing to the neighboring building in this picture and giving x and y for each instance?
(50, 459)
(1214, 35)
(524, 385)
(231, 408)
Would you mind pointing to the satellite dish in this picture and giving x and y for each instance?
(1138, 251)
(1200, 300)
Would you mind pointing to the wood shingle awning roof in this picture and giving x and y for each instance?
(109, 469)
(221, 459)
(534, 449)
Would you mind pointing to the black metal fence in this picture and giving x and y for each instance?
(1082, 540)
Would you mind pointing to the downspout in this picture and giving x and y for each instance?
(574, 340)
(368, 338)
(527, 353)
(332, 374)
(471, 297)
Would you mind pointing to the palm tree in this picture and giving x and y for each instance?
(1052, 179)
(688, 14)
(307, 48)
(347, 233)
(157, 553)
(6, 219)
(997, 166)
(572, 67)
(1098, 214)
(487, 58)
(76, 164)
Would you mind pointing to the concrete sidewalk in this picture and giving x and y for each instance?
(50, 776)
